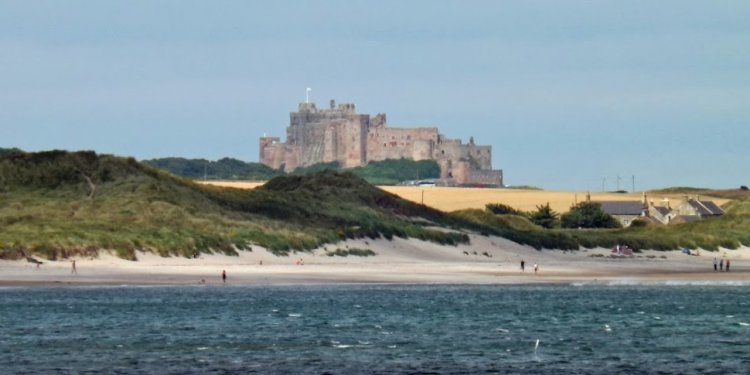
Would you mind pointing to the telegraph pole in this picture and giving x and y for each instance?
(633, 177)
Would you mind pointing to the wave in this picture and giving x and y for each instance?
(636, 282)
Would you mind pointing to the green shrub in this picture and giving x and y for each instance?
(502, 209)
(352, 251)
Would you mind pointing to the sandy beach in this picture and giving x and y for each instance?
(488, 260)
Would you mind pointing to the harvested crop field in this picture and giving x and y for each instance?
(451, 199)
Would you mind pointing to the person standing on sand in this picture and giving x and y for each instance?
(224, 276)
(727, 265)
(73, 270)
(523, 265)
(536, 268)
(721, 265)
(716, 265)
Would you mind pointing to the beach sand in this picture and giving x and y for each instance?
(487, 260)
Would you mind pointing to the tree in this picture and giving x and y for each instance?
(588, 215)
(544, 216)
(86, 163)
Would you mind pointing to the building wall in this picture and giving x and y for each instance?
(395, 143)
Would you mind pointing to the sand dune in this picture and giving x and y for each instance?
(488, 260)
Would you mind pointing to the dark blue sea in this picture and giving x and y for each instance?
(382, 329)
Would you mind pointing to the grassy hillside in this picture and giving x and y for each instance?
(222, 169)
(47, 208)
(386, 172)
(57, 204)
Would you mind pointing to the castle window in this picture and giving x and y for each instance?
(442, 152)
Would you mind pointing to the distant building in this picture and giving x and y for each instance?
(688, 211)
(624, 211)
(340, 134)
(699, 208)
(662, 214)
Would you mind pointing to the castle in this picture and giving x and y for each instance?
(340, 134)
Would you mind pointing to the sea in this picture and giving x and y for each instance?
(377, 329)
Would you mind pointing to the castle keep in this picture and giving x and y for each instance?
(340, 134)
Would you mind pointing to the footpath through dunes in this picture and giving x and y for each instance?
(454, 198)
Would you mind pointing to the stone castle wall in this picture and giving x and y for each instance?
(340, 134)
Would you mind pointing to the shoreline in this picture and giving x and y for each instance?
(486, 261)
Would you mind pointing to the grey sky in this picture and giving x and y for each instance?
(567, 93)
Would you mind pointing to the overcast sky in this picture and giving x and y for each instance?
(568, 93)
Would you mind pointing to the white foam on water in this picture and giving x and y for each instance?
(730, 316)
(503, 330)
(607, 328)
(744, 324)
(201, 348)
(295, 315)
(343, 346)
(634, 282)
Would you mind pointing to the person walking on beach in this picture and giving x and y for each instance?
(73, 270)
(721, 265)
(716, 265)
(536, 268)
(523, 265)
(224, 276)
(727, 265)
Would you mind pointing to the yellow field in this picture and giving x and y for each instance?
(451, 199)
